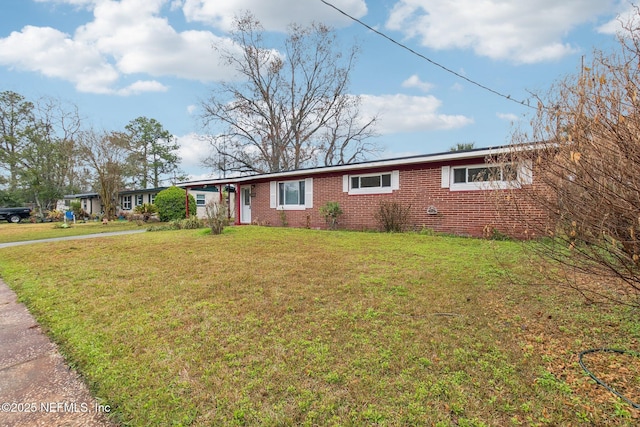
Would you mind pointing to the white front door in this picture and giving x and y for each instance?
(245, 206)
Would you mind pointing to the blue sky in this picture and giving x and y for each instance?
(118, 60)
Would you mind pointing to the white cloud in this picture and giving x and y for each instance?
(193, 150)
(142, 86)
(415, 82)
(274, 14)
(130, 37)
(140, 41)
(124, 38)
(192, 109)
(54, 54)
(204, 176)
(627, 15)
(403, 113)
(519, 31)
(508, 117)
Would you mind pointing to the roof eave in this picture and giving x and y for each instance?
(402, 161)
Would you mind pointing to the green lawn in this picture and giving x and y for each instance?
(277, 326)
(28, 231)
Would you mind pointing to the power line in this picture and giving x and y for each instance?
(448, 70)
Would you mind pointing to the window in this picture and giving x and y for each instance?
(200, 200)
(126, 203)
(152, 198)
(371, 181)
(477, 174)
(291, 195)
(375, 183)
(484, 177)
(139, 200)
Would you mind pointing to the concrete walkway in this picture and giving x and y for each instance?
(37, 387)
(60, 239)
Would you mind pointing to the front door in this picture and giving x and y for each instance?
(245, 206)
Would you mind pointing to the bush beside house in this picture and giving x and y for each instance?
(171, 204)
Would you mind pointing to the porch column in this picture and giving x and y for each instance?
(186, 202)
(238, 207)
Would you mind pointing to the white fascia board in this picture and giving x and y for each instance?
(429, 158)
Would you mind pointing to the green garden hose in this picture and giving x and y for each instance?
(602, 383)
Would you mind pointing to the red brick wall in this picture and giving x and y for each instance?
(473, 213)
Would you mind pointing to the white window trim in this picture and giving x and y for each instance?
(308, 196)
(395, 184)
(525, 176)
(201, 199)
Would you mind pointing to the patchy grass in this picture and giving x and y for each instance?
(28, 231)
(276, 326)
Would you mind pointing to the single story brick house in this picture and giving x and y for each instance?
(441, 189)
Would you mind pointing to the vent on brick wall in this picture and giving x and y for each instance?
(432, 210)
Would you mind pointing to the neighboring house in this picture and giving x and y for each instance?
(89, 202)
(204, 195)
(441, 190)
(127, 200)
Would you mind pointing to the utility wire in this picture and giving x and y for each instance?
(448, 70)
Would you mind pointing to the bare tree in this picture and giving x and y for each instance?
(49, 162)
(37, 147)
(291, 109)
(106, 155)
(587, 174)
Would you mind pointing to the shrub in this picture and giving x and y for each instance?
(76, 207)
(54, 215)
(217, 216)
(392, 216)
(134, 217)
(190, 223)
(331, 211)
(283, 218)
(170, 203)
(146, 210)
